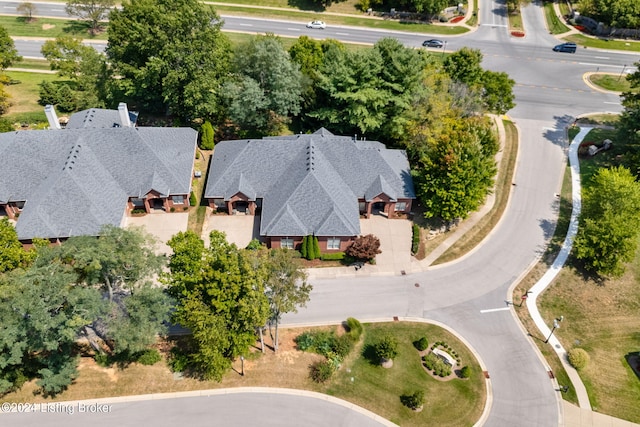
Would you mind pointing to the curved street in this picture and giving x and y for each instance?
(550, 93)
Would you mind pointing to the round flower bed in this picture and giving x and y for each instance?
(517, 33)
(457, 19)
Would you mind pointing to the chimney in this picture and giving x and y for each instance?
(52, 117)
(123, 112)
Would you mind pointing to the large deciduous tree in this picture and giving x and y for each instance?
(27, 9)
(8, 55)
(629, 125)
(12, 254)
(91, 11)
(221, 299)
(42, 313)
(169, 56)
(267, 88)
(610, 225)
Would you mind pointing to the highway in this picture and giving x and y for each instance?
(550, 93)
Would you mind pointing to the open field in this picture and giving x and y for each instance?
(455, 402)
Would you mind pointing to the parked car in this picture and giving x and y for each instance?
(433, 43)
(565, 47)
(318, 25)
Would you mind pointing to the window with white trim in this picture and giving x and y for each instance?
(178, 200)
(286, 243)
(401, 206)
(333, 243)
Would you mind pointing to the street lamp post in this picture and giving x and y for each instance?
(444, 48)
(556, 325)
(242, 366)
(624, 67)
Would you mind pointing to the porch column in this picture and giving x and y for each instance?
(252, 208)
(369, 205)
(230, 207)
(147, 207)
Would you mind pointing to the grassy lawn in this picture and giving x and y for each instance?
(47, 27)
(602, 318)
(606, 119)
(24, 96)
(515, 19)
(564, 8)
(603, 43)
(503, 186)
(613, 82)
(553, 21)
(33, 64)
(448, 403)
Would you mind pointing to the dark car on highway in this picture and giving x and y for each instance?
(433, 43)
(565, 47)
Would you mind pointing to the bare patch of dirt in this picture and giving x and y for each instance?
(48, 26)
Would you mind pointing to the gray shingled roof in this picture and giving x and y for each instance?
(98, 118)
(76, 180)
(310, 184)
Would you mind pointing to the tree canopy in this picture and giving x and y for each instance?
(267, 88)
(91, 11)
(629, 124)
(221, 299)
(610, 226)
(619, 13)
(169, 56)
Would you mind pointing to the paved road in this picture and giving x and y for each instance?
(549, 94)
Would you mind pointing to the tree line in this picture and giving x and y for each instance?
(112, 296)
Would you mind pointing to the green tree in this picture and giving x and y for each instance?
(386, 348)
(268, 87)
(49, 94)
(609, 228)
(12, 254)
(316, 248)
(497, 93)
(222, 302)
(67, 101)
(304, 248)
(206, 136)
(430, 7)
(8, 52)
(629, 124)
(169, 56)
(464, 66)
(454, 175)
(27, 9)
(286, 287)
(42, 314)
(91, 11)
(364, 247)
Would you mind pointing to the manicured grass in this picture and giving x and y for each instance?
(602, 43)
(33, 64)
(448, 403)
(589, 165)
(25, 94)
(613, 82)
(48, 27)
(606, 119)
(357, 21)
(473, 20)
(515, 19)
(503, 186)
(553, 21)
(564, 8)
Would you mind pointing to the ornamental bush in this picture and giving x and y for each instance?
(386, 348)
(364, 247)
(578, 358)
(149, 357)
(465, 372)
(192, 199)
(414, 400)
(334, 256)
(305, 341)
(321, 371)
(206, 136)
(421, 344)
(354, 329)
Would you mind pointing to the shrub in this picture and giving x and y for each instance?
(386, 348)
(304, 248)
(354, 329)
(254, 245)
(149, 357)
(173, 209)
(305, 341)
(334, 256)
(102, 359)
(415, 240)
(192, 199)
(138, 211)
(342, 346)
(578, 358)
(324, 342)
(414, 400)
(316, 248)
(320, 372)
(435, 364)
(421, 344)
(206, 136)
(465, 372)
(364, 247)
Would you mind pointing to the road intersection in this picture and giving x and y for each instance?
(470, 295)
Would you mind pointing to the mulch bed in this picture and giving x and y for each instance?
(517, 33)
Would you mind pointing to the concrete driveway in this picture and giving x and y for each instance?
(162, 226)
(240, 229)
(395, 243)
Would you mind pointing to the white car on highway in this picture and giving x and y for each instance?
(319, 25)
